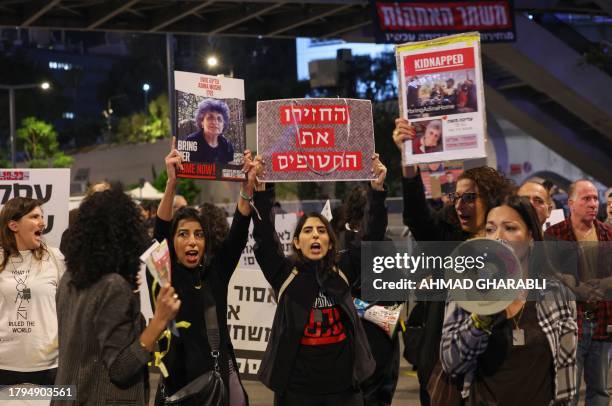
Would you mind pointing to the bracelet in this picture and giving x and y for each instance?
(245, 196)
(483, 325)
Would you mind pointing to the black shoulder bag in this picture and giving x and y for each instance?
(207, 389)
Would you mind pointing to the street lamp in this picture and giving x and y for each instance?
(145, 88)
(212, 61)
(11, 89)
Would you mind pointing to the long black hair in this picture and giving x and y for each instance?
(539, 255)
(188, 213)
(108, 236)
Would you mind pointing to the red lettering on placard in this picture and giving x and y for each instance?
(14, 175)
(441, 61)
(314, 114)
(293, 161)
(448, 16)
(315, 138)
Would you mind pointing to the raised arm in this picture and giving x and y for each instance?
(376, 216)
(268, 250)
(416, 213)
(172, 161)
(374, 225)
(236, 240)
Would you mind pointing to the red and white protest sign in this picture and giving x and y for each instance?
(315, 139)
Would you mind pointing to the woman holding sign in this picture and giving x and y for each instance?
(201, 281)
(318, 353)
(525, 355)
(476, 191)
(104, 346)
(29, 275)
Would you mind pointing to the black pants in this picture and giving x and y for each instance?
(44, 377)
(346, 398)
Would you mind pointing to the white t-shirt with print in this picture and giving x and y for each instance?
(28, 317)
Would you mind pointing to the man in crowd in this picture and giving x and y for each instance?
(594, 314)
(539, 197)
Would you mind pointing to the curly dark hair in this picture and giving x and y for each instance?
(214, 105)
(14, 210)
(354, 206)
(493, 187)
(108, 236)
(331, 258)
(217, 224)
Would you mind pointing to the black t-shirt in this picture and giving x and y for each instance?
(323, 363)
(515, 375)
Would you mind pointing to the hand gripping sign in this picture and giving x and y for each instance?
(313, 140)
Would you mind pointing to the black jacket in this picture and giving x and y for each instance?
(189, 356)
(294, 306)
(427, 225)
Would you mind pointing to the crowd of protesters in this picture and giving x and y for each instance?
(85, 327)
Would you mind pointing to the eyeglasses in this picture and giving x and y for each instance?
(468, 197)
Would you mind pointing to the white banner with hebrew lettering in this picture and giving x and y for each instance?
(51, 186)
(251, 302)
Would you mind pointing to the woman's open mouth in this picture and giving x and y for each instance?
(191, 256)
(315, 248)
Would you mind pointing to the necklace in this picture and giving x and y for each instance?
(518, 334)
(23, 291)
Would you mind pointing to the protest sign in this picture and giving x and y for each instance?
(50, 186)
(441, 94)
(157, 260)
(556, 216)
(440, 178)
(210, 126)
(314, 140)
(398, 21)
(251, 302)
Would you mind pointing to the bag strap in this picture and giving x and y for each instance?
(342, 275)
(287, 282)
(294, 273)
(212, 326)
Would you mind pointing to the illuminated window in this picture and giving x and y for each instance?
(68, 115)
(60, 65)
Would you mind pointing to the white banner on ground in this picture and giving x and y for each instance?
(251, 303)
(441, 93)
(51, 186)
